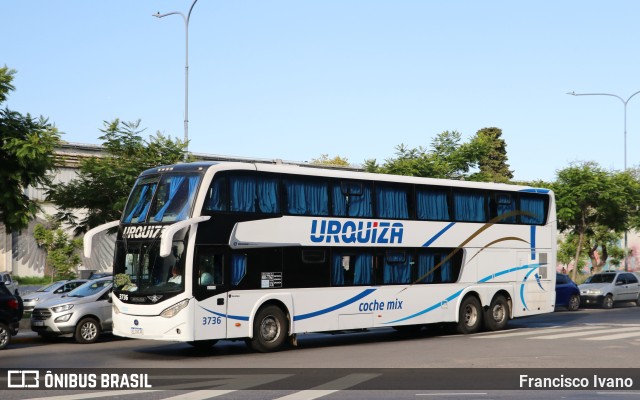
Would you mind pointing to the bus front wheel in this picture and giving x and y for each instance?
(470, 315)
(270, 329)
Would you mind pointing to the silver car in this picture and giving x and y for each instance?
(84, 312)
(608, 288)
(55, 290)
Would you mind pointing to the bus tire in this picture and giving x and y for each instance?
(270, 329)
(497, 315)
(469, 315)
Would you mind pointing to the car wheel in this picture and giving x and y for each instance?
(87, 331)
(270, 329)
(574, 303)
(607, 302)
(638, 300)
(5, 336)
(497, 316)
(469, 316)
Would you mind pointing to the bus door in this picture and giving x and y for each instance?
(210, 282)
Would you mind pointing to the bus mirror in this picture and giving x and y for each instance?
(166, 240)
(88, 237)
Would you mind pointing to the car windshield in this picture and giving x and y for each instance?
(89, 288)
(139, 267)
(50, 288)
(601, 278)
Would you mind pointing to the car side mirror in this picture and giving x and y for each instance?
(16, 292)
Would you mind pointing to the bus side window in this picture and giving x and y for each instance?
(210, 269)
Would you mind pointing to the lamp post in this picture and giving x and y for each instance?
(624, 103)
(186, 72)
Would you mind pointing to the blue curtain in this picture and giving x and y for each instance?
(243, 193)
(391, 202)
(307, 198)
(339, 201)
(337, 272)
(397, 269)
(238, 268)
(363, 270)
(426, 262)
(268, 195)
(505, 205)
(446, 274)
(217, 200)
(533, 206)
(469, 207)
(139, 204)
(193, 183)
(175, 183)
(432, 205)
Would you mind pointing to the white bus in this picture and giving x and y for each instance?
(270, 251)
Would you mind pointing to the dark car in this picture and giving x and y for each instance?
(567, 293)
(11, 309)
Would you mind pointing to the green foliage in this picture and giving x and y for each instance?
(103, 183)
(33, 280)
(325, 160)
(492, 161)
(597, 206)
(62, 252)
(26, 156)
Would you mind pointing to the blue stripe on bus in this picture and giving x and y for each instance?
(337, 306)
(533, 267)
(437, 235)
(533, 242)
(238, 317)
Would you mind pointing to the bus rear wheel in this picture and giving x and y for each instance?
(470, 315)
(497, 316)
(270, 329)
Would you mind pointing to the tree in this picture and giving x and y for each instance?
(492, 162)
(335, 161)
(593, 203)
(26, 155)
(103, 183)
(447, 158)
(62, 252)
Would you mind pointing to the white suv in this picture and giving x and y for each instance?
(84, 312)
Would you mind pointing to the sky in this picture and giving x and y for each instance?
(296, 79)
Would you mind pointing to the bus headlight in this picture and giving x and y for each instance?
(174, 309)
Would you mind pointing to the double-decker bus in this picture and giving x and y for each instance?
(265, 252)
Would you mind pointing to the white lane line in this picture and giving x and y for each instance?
(588, 332)
(330, 387)
(502, 334)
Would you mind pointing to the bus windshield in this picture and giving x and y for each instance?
(139, 268)
(161, 198)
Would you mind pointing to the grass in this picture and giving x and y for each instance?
(33, 280)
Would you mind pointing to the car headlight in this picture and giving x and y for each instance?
(31, 300)
(174, 309)
(62, 308)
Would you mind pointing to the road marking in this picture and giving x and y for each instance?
(618, 336)
(502, 334)
(604, 330)
(330, 387)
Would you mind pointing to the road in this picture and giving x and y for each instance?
(593, 338)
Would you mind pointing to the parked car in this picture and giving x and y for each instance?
(54, 290)
(608, 288)
(567, 293)
(8, 281)
(11, 310)
(96, 275)
(85, 312)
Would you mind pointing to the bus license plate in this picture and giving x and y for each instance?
(136, 331)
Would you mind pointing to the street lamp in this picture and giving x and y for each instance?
(186, 72)
(624, 102)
